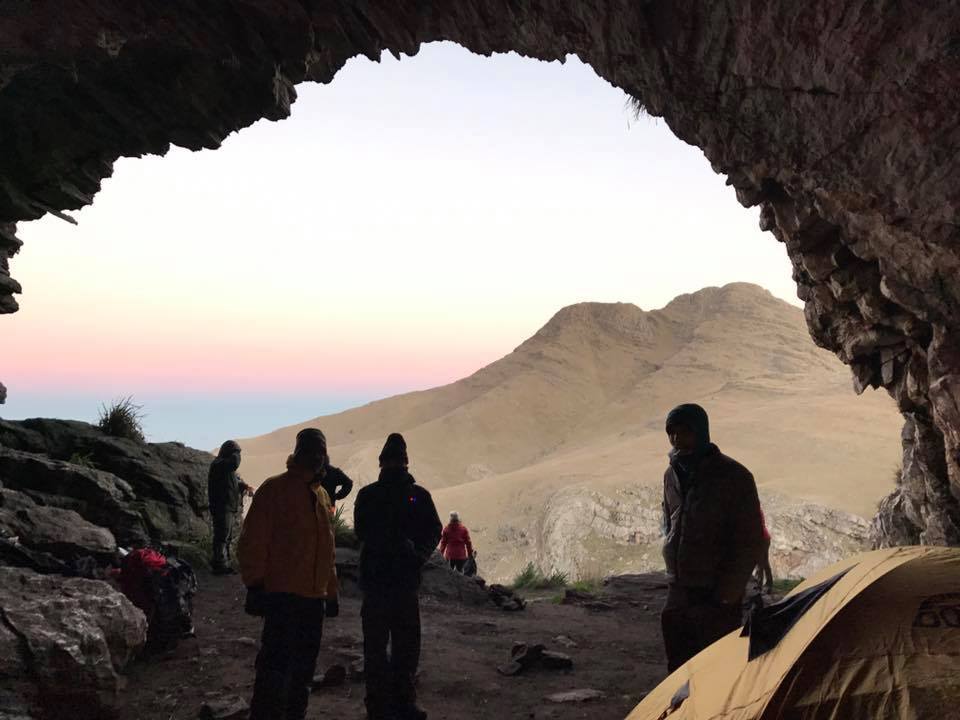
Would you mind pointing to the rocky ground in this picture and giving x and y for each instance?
(612, 640)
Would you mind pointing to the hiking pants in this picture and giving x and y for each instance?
(390, 616)
(691, 620)
(457, 564)
(223, 525)
(292, 627)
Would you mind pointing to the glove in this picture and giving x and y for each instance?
(256, 602)
(332, 607)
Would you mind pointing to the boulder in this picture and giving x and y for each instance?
(153, 491)
(440, 582)
(63, 643)
(99, 497)
(61, 533)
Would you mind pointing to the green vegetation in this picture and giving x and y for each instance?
(344, 535)
(785, 585)
(533, 578)
(588, 585)
(122, 419)
(83, 459)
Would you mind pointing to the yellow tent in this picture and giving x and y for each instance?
(881, 643)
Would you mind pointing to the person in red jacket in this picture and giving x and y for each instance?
(455, 545)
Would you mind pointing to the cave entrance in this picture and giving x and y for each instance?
(804, 127)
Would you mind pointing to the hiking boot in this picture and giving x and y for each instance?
(411, 712)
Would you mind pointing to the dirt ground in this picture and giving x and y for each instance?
(617, 652)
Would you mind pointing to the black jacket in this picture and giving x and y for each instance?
(712, 526)
(336, 483)
(397, 523)
(223, 485)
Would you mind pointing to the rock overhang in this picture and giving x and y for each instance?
(839, 120)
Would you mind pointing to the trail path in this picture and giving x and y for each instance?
(617, 652)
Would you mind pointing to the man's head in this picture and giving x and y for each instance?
(394, 453)
(230, 447)
(310, 452)
(688, 429)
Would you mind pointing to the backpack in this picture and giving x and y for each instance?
(470, 567)
(163, 588)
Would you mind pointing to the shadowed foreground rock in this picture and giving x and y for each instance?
(61, 533)
(62, 643)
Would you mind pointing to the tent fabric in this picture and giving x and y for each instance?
(767, 626)
(882, 643)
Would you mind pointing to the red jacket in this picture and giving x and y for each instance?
(455, 542)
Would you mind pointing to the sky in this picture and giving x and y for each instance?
(413, 221)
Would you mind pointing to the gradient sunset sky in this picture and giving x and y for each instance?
(413, 221)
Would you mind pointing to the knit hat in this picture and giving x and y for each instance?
(695, 418)
(228, 448)
(310, 440)
(395, 448)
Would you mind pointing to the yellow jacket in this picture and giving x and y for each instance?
(287, 541)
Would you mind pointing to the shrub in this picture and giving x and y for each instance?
(123, 419)
(344, 535)
(83, 459)
(533, 578)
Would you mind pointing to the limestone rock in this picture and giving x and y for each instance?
(575, 696)
(620, 532)
(62, 533)
(66, 641)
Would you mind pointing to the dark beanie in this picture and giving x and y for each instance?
(395, 448)
(310, 440)
(695, 418)
(228, 448)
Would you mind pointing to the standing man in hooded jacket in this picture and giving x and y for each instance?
(398, 526)
(713, 537)
(287, 561)
(225, 491)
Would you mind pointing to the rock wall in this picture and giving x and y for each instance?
(839, 119)
(588, 534)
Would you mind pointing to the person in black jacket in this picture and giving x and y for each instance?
(336, 483)
(713, 537)
(332, 479)
(225, 491)
(397, 523)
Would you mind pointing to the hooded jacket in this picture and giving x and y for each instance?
(455, 542)
(713, 533)
(397, 523)
(287, 540)
(223, 484)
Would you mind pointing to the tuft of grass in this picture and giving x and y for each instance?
(785, 585)
(588, 585)
(82, 459)
(343, 534)
(533, 578)
(122, 419)
(636, 106)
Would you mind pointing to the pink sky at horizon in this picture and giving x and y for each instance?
(413, 222)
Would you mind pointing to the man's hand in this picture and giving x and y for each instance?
(332, 607)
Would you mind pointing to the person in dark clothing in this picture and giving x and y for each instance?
(225, 491)
(713, 537)
(336, 483)
(398, 527)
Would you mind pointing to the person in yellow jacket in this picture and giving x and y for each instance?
(286, 555)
